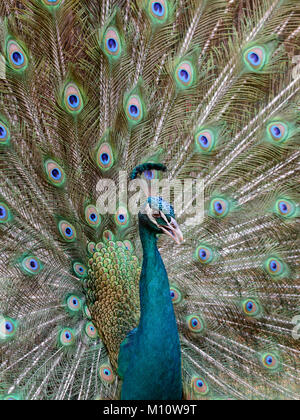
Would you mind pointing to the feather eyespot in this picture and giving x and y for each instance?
(73, 99)
(67, 337)
(16, 56)
(52, 3)
(31, 265)
(134, 109)
(175, 295)
(5, 214)
(12, 397)
(80, 270)
(200, 386)
(55, 173)
(205, 141)
(158, 10)
(112, 43)
(270, 361)
(219, 207)
(195, 324)
(8, 328)
(74, 303)
(204, 254)
(67, 231)
(90, 330)
(122, 217)
(255, 58)
(251, 307)
(4, 134)
(278, 132)
(285, 208)
(106, 374)
(105, 157)
(185, 75)
(92, 216)
(275, 267)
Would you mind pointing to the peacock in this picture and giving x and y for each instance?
(100, 302)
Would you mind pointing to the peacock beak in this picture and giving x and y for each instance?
(172, 229)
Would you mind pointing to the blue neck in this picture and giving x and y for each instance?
(156, 304)
(155, 368)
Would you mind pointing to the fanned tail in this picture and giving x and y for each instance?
(93, 88)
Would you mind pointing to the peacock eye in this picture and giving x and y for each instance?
(16, 56)
(73, 303)
(92, 216)
(122, 217)
(196, 324)
(185, 75)
(55, 173)
(270, 361)
(175, 295)
(8, 327)
(31, 265)
(67, 231)
(2, 131)
(5, 214)
(205, 141)
(105, 159)
(158, 11)
(106, 374)
(251, 307)
(278, 132)
(134, 109)
(255, 58)
(157, 8)
(4, 134)
(285, 208)
(219, 207)
(200, 386)
(204, 254)
(80, 270)
(112, 44)
(66, 337)
(275, 267)
(73, 99)
(51, 3)
(91, 331)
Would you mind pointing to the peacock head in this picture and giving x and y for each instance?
(158, 216)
